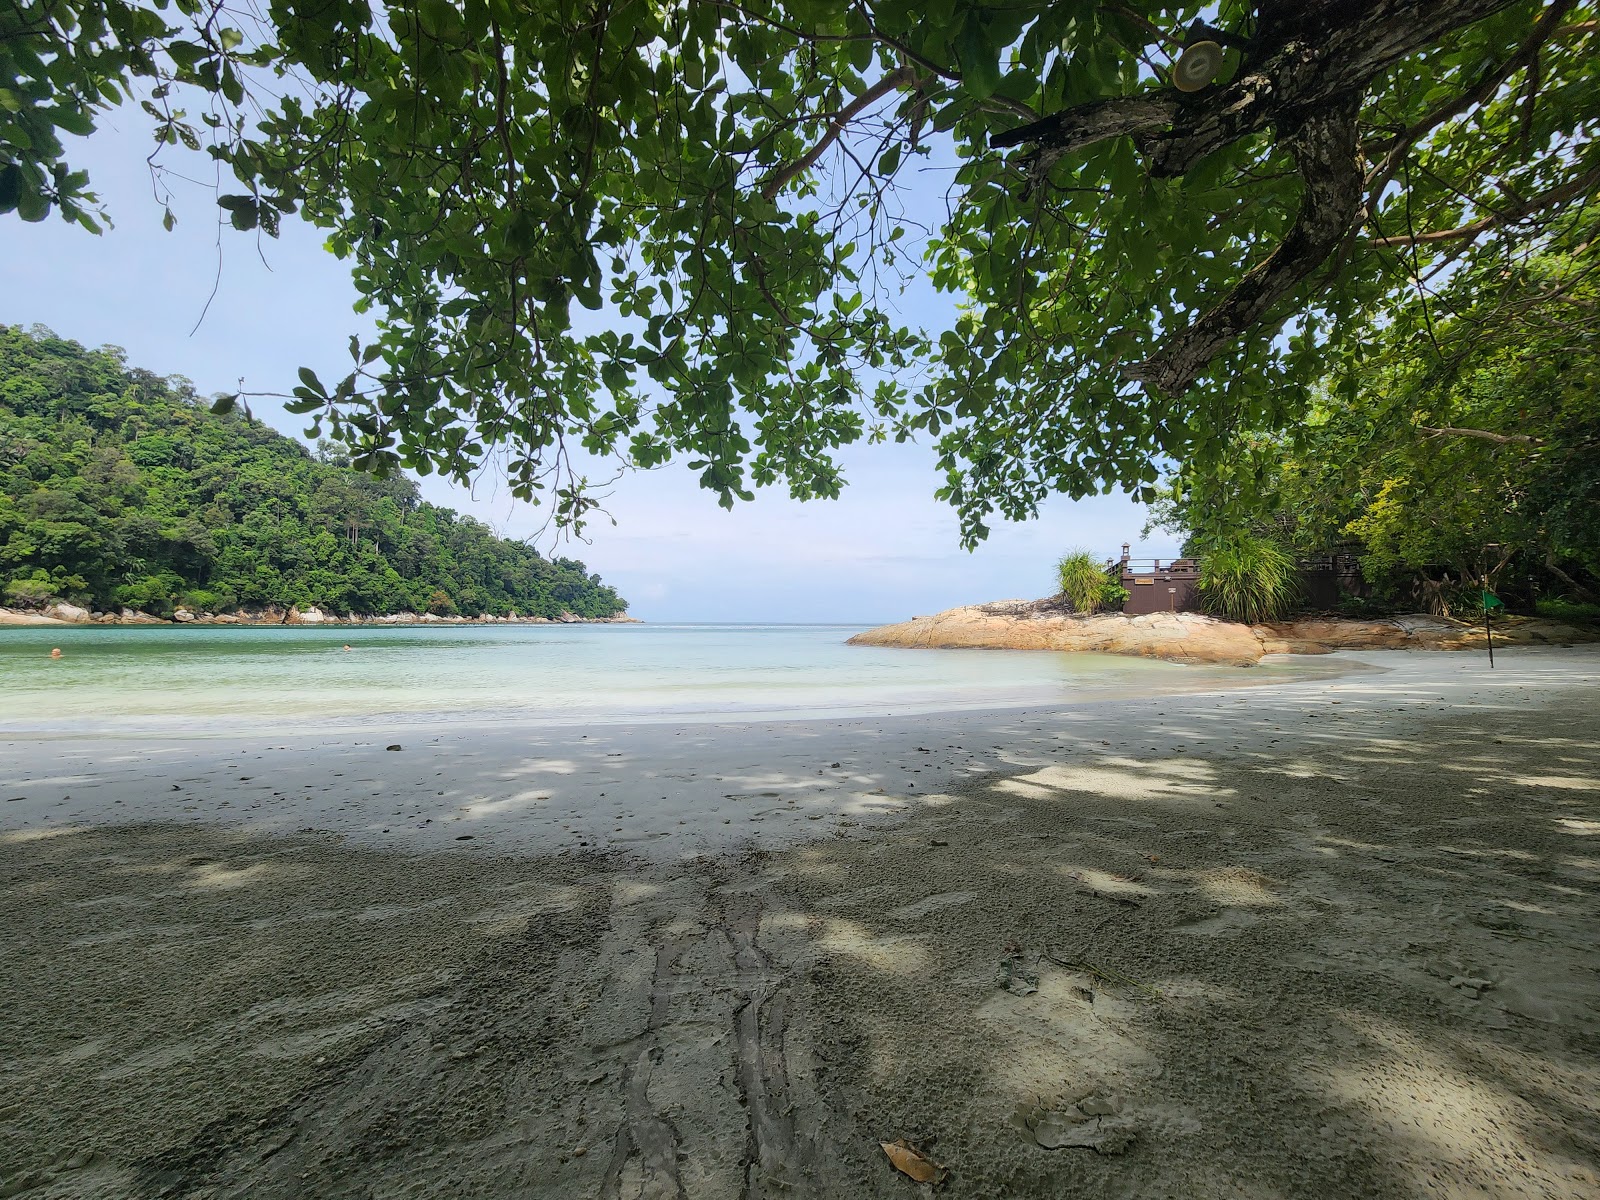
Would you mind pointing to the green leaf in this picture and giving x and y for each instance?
(309, 378)
(73, 120)
(223, 405)
(10, 187)
(980, 59)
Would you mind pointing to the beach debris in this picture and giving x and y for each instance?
(910, 1162)
(396, 746)
(1018, 973)
(1093, 1123)
(1471, 985)
(464, 837)
(1105, 974)
(1108, 890)
(937, 842)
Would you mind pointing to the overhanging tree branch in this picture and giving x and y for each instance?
(898, 78)
(1502, 439)
(1304, 74)
(1559, 194)
(1076, 128)
(1525, 55)
(1324, 149)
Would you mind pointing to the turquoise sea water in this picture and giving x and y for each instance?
(170, 678)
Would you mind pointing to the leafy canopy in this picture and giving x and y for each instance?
(651, 229)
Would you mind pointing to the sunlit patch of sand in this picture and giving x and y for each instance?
(897, 955)
(18, 837)
(1054, 1042)
(1119, 779)
(1239, 887)
(217, 877)
(1576, 783)
(1464, 1133)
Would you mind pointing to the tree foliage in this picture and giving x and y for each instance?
(1460, 448)
(118, 487)
(658, 230)
(1084, 581)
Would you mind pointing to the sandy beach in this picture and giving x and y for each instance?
(1327, 938)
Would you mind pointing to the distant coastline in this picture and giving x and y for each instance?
(72, 614)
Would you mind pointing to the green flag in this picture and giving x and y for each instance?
(1490, 600)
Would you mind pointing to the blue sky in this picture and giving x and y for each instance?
(884, 551)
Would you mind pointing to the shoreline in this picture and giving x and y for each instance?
(692, 787)
(1319, 939)
(197, 727)
(292, 617)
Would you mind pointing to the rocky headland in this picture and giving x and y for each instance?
(72, 614)
(1195, 638)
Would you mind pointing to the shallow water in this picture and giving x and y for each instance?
(167, 677)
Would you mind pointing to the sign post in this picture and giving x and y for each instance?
(1490, 601)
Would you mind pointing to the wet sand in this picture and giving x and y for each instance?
(1325, 939)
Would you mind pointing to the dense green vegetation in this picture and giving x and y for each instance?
(121, 488)
(1458, 449)
(1141, 262)
(1247, 577)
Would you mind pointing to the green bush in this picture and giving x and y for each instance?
(1558, 608)
(154, 594)
(1247, 578)
(205, 600)
(30, 593)
(1084, 581)
(1114, 597)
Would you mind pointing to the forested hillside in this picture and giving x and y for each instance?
(120, 488)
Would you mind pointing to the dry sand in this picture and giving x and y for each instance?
(1327, 939)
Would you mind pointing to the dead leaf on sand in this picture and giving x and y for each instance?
(908, 1162)
(1018, 974)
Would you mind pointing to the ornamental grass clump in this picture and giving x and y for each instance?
(1083, 581)
(1248, 578)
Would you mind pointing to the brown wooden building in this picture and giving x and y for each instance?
(1155, 585)
(1172, 585)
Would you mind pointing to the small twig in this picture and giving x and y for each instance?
(1105, 973)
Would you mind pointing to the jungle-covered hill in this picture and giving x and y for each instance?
(121, 488)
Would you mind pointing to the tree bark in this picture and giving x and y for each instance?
(1324, 149)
